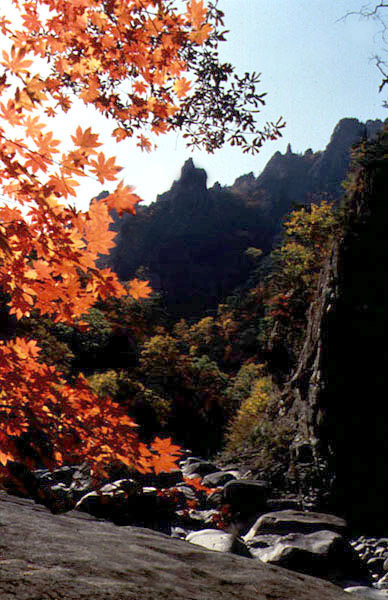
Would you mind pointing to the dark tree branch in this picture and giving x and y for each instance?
(375, 11)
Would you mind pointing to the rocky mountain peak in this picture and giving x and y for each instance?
(346, 133)
(192, 176)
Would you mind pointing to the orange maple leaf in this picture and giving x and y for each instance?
(127, 421)
(126, 460)
(140, 87)
(5, 457)
(123, 199)
(196, 13)
(25, 348)
(105, 169)
(63, 186)
(46, 144)
(181, 87)
(86, 140)
(37, 161)
(139, 289)
(144, 143)
(196, 483)
(10, 113)
(16, 428)
(165, 455)
(201, 35)
(15, 61)
(92, 91)
(120, 134)
(33, 126)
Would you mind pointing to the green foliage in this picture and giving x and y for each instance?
(105, 384)
(254, 253)
(175, 368)
(148, 408)
(207, 336)
(290, 287)
(308, 235)
(241, 386)
(141, 319)
(367, 156)
(207, 383)
(159, 358)
(244, 425)
(97, 334)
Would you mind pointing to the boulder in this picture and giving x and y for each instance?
(198, 469)
(187, 491)
(366, 593)
(189, 461)
(294, 521)
(215, 499)
(322, 554)
(75, 557)
(59, 490)
(127, 487)
(382, 583)
(276, 504)
(262, 541)
(197, 519)
(218, 479)
(126, 502)
(220, 541)
(246, 497)
(111, 501)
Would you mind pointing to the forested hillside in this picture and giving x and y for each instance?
(223, 372)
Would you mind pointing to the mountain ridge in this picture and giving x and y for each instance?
(191, 242)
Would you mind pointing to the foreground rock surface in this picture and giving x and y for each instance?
(76, 557)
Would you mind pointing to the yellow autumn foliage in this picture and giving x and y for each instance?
(244, 424)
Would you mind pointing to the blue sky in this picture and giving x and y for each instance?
(316, 69)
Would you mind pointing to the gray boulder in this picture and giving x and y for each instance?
(245, 496)
(198, 519)
(322, 554)
(218, 479)
(110, 500)
(294, 521)
(382, 583)
(220, 541)
(58, 490)
(199, 468)
(366, 593)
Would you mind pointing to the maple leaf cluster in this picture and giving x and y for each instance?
(35, 398)
(138, 63)
(124, 59)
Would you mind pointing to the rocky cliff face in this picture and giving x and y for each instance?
(338, 393)
(192, 239)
